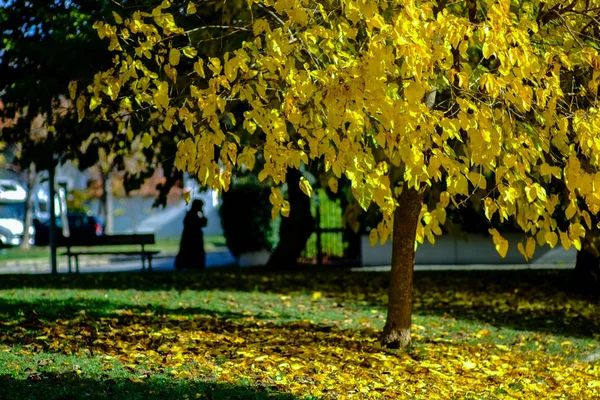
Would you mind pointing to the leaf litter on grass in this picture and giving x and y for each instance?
(322, 343)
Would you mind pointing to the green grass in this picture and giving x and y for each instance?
(52, 376)
(94, 336)
(15, 253)
(166, 245)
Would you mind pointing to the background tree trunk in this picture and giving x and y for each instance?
(396, 333)
(296, 229)
(28, 222)
(106, 202)
(587, 270)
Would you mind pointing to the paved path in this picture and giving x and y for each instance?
(469, 267)
(554, 259)
(215, 259)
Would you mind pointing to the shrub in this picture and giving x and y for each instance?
(246, 217)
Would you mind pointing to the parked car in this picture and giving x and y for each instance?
(11, 233)
(81, 225)
(12, 212)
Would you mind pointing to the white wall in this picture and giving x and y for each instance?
(478, 249)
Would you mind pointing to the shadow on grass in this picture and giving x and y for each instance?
(534, 300)
(55, 326)
(69, 387)
(332, 280)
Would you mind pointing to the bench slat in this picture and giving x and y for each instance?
(95, 253)
(108, 240)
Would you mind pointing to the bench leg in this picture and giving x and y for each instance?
(143, 262)
(77, 263)
(69, 262)
(149, 262)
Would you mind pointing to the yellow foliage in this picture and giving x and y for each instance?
(501, 243)
(366, 91)
(174, 55)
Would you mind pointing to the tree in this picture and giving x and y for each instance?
(393, 95)
(55, 42)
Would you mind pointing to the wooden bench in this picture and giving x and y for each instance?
(109, 240)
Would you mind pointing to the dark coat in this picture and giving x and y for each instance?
(191, 248)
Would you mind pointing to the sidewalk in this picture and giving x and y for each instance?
(161, 262)
(470, 267)
(556, 258)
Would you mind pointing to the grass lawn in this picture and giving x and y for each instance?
(167, 245)
(251, 334)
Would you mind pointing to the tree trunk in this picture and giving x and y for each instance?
(52, 230)
(28, 222)
(110, 212)
(396, 333)
(587, 270)
(106, 202)
(296, 229)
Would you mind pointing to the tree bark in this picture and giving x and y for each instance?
(106, 202)
(396, 333)
(296, 229)
(52, 230)
(28, 222)
(587, 271)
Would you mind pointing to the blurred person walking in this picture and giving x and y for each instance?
(191, 248)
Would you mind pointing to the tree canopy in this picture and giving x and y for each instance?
(393, 95)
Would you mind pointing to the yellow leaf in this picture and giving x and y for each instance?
(414, 92)
(564, 240)
(316, 295)
(373, 237)
(551, 238)
(487, 50)
(95, 102)
(187, 195)
(570, 211)
(587, 218)
(189, 52)
(468, 365)
(531, 193)
(489, 208)
(377, 21)
(118, 18)
(247, 158)
(477, 180)
(530, 247)
(174, 56)
(80, 108)
(484, 333)
(146, 140)
(463, 80)
(500, 243)
(444, 199)
(285, 208)
(191, 8)
(199, 68)
(521, 250)
(305, 187)
(72, 89)
(333, 184)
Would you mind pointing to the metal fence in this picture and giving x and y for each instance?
(330, 243)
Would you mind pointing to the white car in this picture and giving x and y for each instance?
(12, 213)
